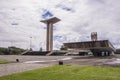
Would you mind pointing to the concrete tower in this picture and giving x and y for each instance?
(49, 39)
(94, 36)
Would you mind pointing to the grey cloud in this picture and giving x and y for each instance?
(96, 2)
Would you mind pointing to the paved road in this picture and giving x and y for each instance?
(45, 61)
(6, 69)
(29, 58)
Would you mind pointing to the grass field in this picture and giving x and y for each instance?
(68, 73)
(5, 61)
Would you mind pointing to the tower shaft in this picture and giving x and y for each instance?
(49, 38)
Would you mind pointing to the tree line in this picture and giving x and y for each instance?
(11, 51)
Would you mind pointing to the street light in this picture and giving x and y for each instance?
(30, 43)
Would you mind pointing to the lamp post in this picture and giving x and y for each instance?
(30, 43)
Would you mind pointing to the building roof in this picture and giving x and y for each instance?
(51, 20)
(101, 44)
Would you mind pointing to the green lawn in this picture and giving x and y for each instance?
(68, 73)
(5, 61)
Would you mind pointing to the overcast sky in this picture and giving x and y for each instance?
(20, 20)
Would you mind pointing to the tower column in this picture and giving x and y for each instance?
(49, 38)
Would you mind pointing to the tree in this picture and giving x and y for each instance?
(41, 49)
(63, 48)
(31, 49)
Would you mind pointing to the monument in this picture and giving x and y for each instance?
(49, 39)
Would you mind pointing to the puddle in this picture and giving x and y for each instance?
(69, 58)
(117, 61)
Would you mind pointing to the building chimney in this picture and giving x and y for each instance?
(94, 36)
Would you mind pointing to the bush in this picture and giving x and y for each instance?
(63, 48)
(117, 51)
